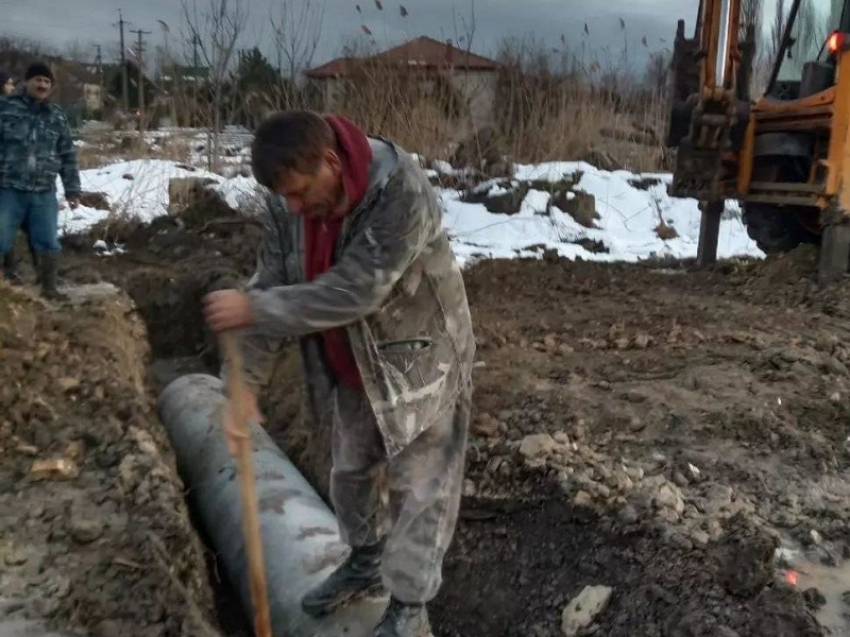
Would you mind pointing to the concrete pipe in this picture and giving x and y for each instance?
(301, 542)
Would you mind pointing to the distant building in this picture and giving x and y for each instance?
(174, 75)
(423, 60)
(78, 87)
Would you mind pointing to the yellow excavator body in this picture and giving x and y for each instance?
(785, 154)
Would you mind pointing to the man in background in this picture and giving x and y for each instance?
(35, 146)
(7, 85)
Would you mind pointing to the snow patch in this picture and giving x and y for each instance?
(630, 208)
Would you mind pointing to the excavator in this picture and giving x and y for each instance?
(783, 155)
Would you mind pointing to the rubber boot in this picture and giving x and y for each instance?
(404, 620)
(10, 268)
(359, 576)
(48, 263)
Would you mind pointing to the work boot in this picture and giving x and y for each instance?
(404, 620)
(359, 576)
(48, 265)
(10, 269)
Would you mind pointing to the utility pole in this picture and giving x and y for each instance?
(196, 41)
(125, 91)
(98, 62)
(140, 49)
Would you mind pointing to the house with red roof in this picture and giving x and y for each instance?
(422, 60)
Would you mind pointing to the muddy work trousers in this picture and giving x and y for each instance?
(411, 500)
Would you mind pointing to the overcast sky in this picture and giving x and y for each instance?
(62, 23)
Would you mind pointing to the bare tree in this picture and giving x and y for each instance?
(811, 32)
(751, 16)
(471, 89)
(212, 36)
(777, 30)
(79, 51)
(657, 71)
(17, 52)
(297, 29)
(750, 47)
(464, 27)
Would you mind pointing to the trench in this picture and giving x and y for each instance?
(231, 617)
(513, 564)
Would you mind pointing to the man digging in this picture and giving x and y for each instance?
(355, 263)
(35, 146)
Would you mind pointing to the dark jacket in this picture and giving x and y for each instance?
(35, 146)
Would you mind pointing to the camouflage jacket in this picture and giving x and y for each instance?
(395, 286)
(35, 146)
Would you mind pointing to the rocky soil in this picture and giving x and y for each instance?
(94, 532)
(697, 420)
(645, 437)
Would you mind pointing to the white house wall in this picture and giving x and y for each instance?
(478, 89)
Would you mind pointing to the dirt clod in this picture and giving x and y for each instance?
(537, 445)
(780, 611)
(57, 468)
(744, 557)
(814, 598)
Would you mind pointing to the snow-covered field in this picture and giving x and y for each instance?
(628, 218)
(139, 188)
(626, 225)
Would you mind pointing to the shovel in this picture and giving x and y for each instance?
(248, 488)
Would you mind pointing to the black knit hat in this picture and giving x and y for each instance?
(39, 69)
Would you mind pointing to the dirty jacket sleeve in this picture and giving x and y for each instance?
(70, 170)
(393, 236)
(260, 350)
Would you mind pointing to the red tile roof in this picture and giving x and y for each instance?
(422, 53)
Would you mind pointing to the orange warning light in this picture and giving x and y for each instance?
(836, 42)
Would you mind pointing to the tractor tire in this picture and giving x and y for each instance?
(775, 230)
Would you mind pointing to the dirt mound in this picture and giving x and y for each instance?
(94, 532)
(788, 278)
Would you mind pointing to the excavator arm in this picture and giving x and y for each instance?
(786, 155)
(709, 112)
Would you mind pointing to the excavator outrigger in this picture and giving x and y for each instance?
(785, 155)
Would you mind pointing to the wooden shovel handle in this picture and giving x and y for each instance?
(238, 392)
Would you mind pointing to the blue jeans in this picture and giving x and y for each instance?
(36, 212)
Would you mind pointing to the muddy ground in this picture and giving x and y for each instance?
(647, 428)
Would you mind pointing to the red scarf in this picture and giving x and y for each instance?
(321, 237)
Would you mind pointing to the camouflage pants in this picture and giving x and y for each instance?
(411, 500)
